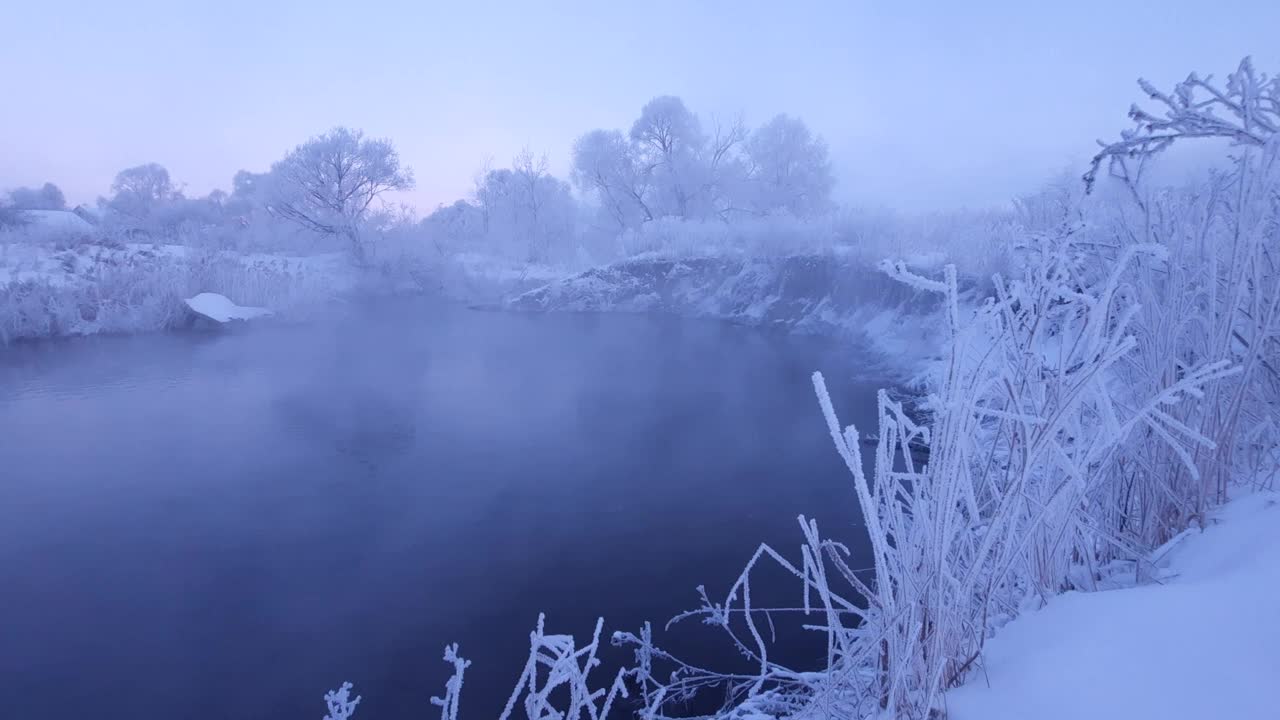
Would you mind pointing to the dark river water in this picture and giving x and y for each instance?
(227, 525)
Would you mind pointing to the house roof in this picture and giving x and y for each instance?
(63, 221)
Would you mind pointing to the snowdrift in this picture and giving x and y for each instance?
(220, 309)
(1203, 642)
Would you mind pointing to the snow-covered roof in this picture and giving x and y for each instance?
(62, 221)
(88, 213)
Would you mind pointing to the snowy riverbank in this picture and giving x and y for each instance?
(52, 291)
(1202, 640)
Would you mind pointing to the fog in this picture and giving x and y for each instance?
(927, 106)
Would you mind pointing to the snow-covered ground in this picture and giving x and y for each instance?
(1201, 642)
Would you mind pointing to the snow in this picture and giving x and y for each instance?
(220, 309)
(1204, 642)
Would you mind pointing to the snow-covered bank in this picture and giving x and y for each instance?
(1203, 641)
(84, 287)
(51, 291)
(826, 294)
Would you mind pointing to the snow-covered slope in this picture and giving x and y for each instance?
(818, 293)
(1203, 643)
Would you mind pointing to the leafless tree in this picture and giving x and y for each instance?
(603, 162)
(788, 168)
(328, 183)
(525, 208)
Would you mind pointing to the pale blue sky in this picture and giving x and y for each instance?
(924, 104)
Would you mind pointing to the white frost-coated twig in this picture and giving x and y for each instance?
(340, 704)
(565, 666)
(1245, 110)
(453, 687)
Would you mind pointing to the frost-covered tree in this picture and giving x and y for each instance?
(667, 166)
(328, 184)
(525, 209)
(138, 192)
(605, 166)
(452, 228)
(788, 168)
(668, 140)
(248, 187)
(724, 180)
(46, 197)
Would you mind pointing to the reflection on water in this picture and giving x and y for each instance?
(228, 525)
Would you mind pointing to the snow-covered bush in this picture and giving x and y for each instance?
(1216, 297)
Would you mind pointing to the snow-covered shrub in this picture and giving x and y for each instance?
(1217, 296)
(1021, 435)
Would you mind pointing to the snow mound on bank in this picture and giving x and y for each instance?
(220, 309)
(1205, 643)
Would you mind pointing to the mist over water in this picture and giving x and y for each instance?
(226, 525)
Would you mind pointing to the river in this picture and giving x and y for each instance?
(226, 525)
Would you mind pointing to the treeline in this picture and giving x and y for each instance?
(333, 191)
